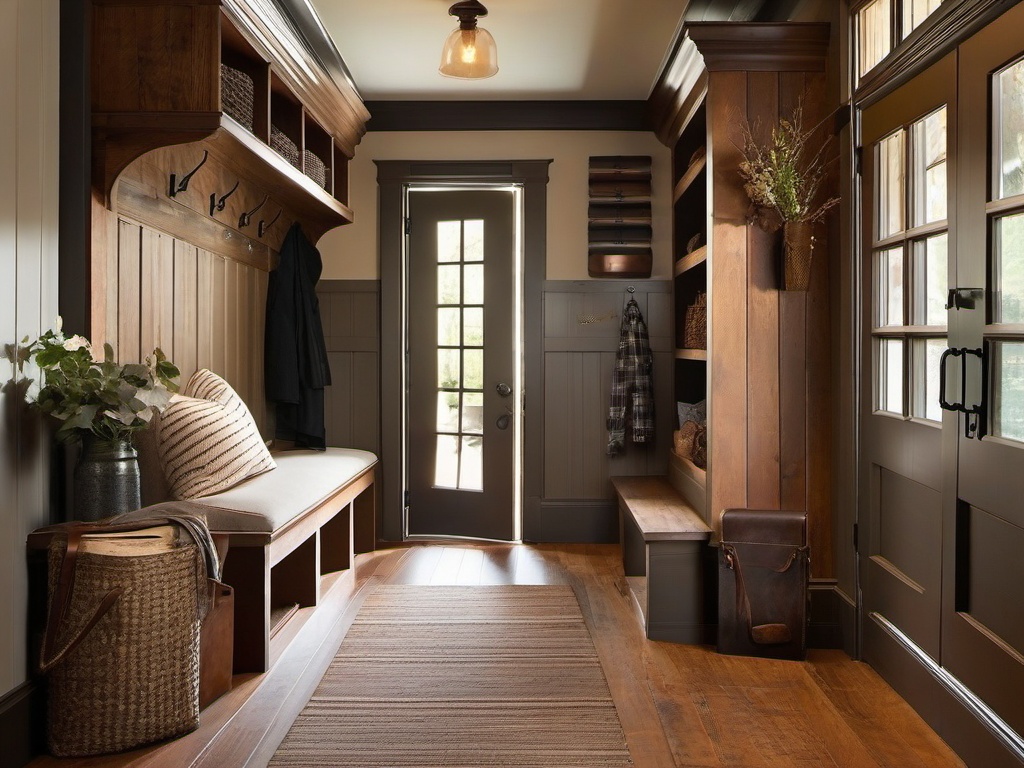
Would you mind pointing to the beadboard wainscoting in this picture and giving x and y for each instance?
(581, 334)
(350, 312)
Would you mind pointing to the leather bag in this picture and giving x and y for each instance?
(764, 565)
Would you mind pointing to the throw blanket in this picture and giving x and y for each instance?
(631, 383)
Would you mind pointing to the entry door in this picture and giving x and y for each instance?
(462, 413)
(983, 626)
(907, 267)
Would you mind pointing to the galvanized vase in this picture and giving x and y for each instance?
(106, 479)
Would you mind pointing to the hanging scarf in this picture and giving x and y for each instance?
(631, 383)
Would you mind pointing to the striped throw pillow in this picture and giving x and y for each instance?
(207, 440)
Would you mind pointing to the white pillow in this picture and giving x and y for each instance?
(207, 440)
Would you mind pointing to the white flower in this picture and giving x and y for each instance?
(58, 324)
(76, 343)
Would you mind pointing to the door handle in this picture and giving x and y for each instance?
(503, 389)
(973, 413)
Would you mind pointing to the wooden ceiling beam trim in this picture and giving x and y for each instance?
(761, 47)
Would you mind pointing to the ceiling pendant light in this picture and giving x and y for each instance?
(469, 52)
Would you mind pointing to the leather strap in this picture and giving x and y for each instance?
(61, 602)
(762, 634)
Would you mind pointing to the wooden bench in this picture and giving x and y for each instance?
(287, 530)
(664, 553)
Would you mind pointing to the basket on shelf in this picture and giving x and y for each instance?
(284, 146)
(695, 323)
(315, 168)
(236, 95)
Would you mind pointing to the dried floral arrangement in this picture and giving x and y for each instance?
(784, 176)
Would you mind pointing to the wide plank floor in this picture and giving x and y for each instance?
(682, 706)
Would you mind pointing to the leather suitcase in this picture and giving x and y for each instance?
(764, 564)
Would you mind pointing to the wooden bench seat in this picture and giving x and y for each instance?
(664, 552)
(287, 529)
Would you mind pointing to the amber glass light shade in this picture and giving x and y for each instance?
(469, 54)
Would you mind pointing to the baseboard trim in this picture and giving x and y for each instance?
(962, 719)
(574, 521)
(824, 629)
(22, 725)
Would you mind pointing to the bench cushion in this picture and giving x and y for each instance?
(303, 479)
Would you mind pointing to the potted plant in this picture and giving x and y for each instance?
(101, 404)
(784, 178)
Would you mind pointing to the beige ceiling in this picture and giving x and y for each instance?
(547, 49)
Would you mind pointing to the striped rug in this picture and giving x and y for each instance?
(461, 676)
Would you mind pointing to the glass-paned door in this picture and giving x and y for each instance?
(983, 619)
(907, 140)
(461, 398)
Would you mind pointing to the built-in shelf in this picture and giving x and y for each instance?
(691, 260)
(691, 174)
(691, 354)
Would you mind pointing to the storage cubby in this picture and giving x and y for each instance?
(245, 82)
(619, 217)
(285, 123)
(317, 153)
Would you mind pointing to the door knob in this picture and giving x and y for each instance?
(503, 389)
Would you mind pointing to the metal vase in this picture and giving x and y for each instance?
(106, 479)
(798, 245)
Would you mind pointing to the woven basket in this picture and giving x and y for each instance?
(695, 323)
(134, 678)
(236, 95)
(315, 168)
(798, 245)
(284, 146)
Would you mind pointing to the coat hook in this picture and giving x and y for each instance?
(246, 218)
(218, 205)
(182, 185)
(264, 226)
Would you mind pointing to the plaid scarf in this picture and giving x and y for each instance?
(631, 383)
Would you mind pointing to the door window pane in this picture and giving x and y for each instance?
(448, 372)
(1008, 413)
(1009, 269)
(916, 11)
(473, 326)
(449, 240)
(473, 413)
(889, 381)
(473, 249)
(929, 176)
(874, 32)
(447, 411)
(446, 462)
(891, 185)
(474, 283)
(448, 284)
(473, 373)
(889, 287)
(448, 330)
(930, 281)
(1010, 140)
(926, 378)
(471, 461)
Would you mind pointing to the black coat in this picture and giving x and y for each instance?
(296, 367)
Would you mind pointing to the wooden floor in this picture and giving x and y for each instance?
(681, 706)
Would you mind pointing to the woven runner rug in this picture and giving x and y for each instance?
(461, 676)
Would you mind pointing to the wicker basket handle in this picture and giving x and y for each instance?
(61, 601)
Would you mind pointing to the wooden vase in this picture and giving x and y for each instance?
(797, 246)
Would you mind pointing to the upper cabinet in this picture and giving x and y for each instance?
(269, 125)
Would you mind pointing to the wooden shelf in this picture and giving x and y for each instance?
(691, 260)
(688, 469)
(689, 177)
(691, 354)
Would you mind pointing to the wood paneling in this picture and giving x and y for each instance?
(581, 335)
(202, 309)
(350, 312)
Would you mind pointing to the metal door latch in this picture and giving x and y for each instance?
(973, 413)
(964, 298)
